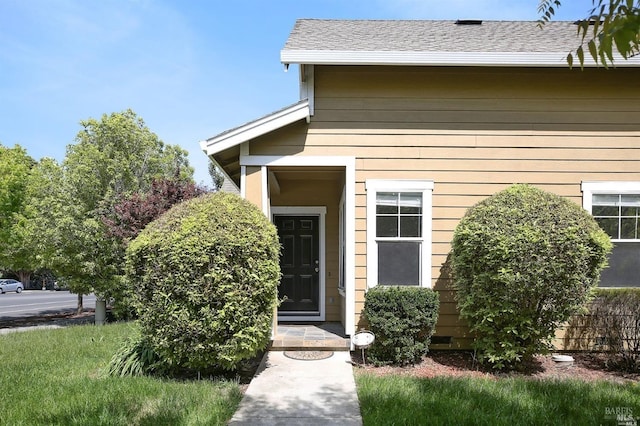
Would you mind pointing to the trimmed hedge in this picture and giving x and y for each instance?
(524, 261)
(402, 320)
(206, 275)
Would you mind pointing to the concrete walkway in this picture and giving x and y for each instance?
(285, 391)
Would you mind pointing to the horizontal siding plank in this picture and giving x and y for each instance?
(475, 117)
(489, 127)
(499, 177)
(379, 135)
(509, 165)
(462, 153)
(493, 103)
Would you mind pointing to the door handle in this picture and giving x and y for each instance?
(317, 269)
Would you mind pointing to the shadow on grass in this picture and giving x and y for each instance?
(466, 401)
(464, 360)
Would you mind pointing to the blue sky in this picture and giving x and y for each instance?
(190, 69)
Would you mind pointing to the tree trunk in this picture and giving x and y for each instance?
(25, 278)
(80, 307)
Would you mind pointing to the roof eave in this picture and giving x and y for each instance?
(256, 128)
(404, 58)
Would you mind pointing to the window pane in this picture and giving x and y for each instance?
(604, 211)
(609, 225)
(628, 228)
(624, 267)
(629, 211)
(630, 200)
(399, 263)
(410, 226)
(387, 203)
(387, 226)
(410, 203)
(605, 199)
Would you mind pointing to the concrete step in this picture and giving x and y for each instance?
(290, 344)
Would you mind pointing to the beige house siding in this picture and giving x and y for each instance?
(473, 132)
(253, 182)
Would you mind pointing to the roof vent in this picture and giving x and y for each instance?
(468, 22)
(591, 22)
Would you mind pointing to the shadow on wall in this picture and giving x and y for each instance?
(452, 332)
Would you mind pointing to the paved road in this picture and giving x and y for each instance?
(38, 302)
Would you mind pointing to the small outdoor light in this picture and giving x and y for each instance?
(363, 339)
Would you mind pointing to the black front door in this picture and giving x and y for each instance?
(299, 289)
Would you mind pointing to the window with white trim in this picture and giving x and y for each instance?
(399, 232)
(616, 208)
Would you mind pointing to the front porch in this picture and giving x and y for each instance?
(327, 336)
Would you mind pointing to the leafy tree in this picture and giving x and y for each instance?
(216, 176)
(130, 214)
(112, 158)
(15, 168)
(612, 23)
(524, 261)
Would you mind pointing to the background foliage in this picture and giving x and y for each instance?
(15, 170)
(524, 261)
(612, 324)
(611, 24)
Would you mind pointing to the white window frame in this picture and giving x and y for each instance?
(589, 188)
(425, 187)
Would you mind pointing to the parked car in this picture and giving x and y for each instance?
(60, 285)
(10, 285)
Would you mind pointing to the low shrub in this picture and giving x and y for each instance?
(135, 357)
(402, 320)
(524, 261)
(611, 324)
(206, 275)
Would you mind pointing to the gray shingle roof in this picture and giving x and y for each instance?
(431, 36)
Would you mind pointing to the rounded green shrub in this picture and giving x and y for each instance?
(402, 320)
(524, 261)
(205, 277)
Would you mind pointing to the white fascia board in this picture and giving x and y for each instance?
(256, 128)
(498, 59)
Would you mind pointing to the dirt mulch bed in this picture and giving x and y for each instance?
(62, 319)
(586, 367)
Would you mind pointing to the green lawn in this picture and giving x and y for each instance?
(56, 377)
(400, 400)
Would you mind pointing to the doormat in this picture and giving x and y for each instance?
(308, 355)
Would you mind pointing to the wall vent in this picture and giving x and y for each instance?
(591, 22)
(441, 340)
